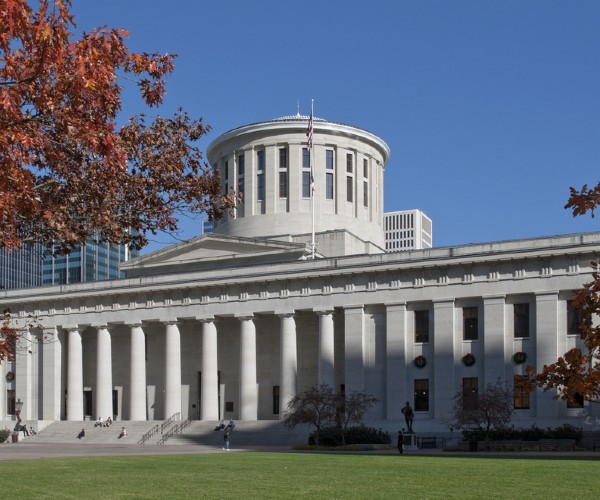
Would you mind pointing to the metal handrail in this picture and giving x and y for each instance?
(159, 428)
(176, 429)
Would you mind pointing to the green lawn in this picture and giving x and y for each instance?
(285, 475)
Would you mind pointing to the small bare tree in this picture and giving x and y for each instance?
(490, 409)
(353, 409)
(315, 406)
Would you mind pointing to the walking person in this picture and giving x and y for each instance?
(226, 435)
(400, 442)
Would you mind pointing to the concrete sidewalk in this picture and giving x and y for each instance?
(24, 450)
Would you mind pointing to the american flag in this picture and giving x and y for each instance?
(309, 134)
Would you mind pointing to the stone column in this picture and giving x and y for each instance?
(354, 348)
(137, 373)
(397, 390)
(74, 375)
(441, 382)
(493, 340)
(546, 348)
(289, 361)
(326, 349)
(104, 386)
(248, 388)
(51, 371)
(209, 398)
(23, 369)
(172, 370)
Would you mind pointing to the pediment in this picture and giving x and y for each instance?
(210, 251)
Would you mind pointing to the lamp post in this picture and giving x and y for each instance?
(18, 408)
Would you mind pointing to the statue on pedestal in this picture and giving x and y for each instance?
(409, 416)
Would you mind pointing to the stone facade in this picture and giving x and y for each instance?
(227, 326)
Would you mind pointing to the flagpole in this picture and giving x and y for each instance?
(312, 187)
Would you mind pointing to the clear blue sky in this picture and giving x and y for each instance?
(491, 108)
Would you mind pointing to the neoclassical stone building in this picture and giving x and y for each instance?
(231, 324)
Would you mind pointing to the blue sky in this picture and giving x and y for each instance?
(491, 108)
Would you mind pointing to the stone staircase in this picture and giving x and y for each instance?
(247, 434)
(66, 432)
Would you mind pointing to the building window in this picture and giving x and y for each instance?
(349, 163)
(521, 393)
(421, 326)
(241, 187)
(275, 400)
(283, 185)
(241, 164)
(349, 189)
(577, 402)
(226, 170)
(260, 186)
(574, 319)
(366, 168)
(283, 156)
(521, 320)
(365, 193)
(470, 393)
(305, 158)
(329, 159)
(470, 324)
(260, 160)
(422, 394)
(329, 186)
(306, 184)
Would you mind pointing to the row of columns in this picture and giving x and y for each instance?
(248, 396)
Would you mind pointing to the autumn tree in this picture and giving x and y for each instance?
(482, 411)
(69, 171)
(353, 407)
(316, 406)
(576, 374)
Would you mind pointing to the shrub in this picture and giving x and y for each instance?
(4, 434)
(532, 433)
(332, 436)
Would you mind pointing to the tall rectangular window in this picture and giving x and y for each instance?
(470, 323)
(329, 186)
(241, 187)
(305, 158)
(260, 159)
(574, 318)
(283, 158)
(421, 326)
(275, 400)
(349, 189)
(329, 159)
(241, 164)
(520, 393)
(283, 185)
(470, 393)
(366, 168)
(306, 184)
(226, 169)
(260, 186)
(521, 320)
(365, 193)
(349, 163)
(422, 394)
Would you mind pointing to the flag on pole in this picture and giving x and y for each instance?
(309, 134)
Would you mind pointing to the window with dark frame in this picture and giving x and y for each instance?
(260, 186)
(329, 159)
(283, 185)
(306, 184)
(520, 393)
(260, 159)
(283, 158)
(349, 163)
(349, 189)
(329, 186)
(305, 158)
(275, 400)
(421, 394)
(574, 319)
(365, 168)
(470, 323)
(365, 193)
(521, 320)
(470, 393)
(241, 164)
(422, 326)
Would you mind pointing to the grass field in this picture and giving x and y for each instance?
(290, 475)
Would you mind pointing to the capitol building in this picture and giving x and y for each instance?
(233, 323)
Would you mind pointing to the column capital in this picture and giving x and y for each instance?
(134, 323)
(210, 319)
(101, 326)
(70, 328)
(243, 317)
(323, 312)
(170, 322)
(285, 314)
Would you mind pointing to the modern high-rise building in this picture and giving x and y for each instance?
(31, 266)
(407, 230)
